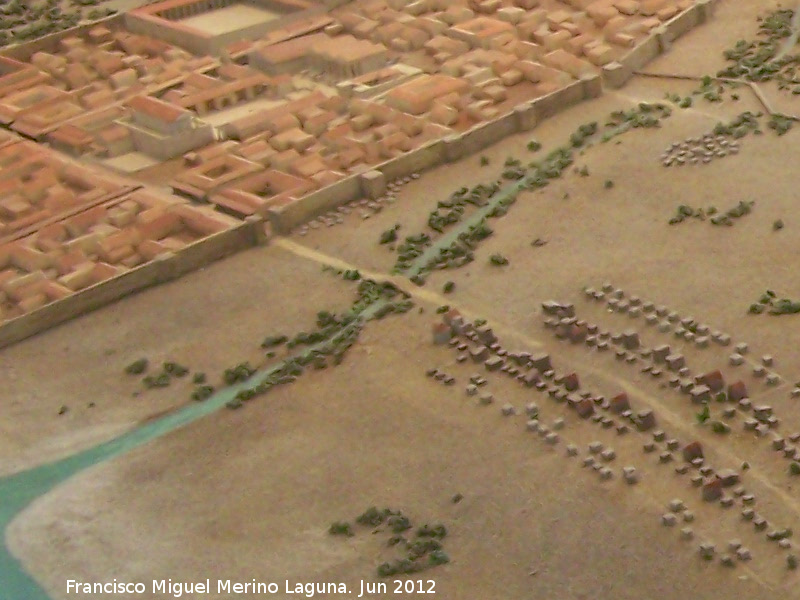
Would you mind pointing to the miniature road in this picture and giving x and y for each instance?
(402, 283)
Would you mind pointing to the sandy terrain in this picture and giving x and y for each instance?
(251, 493)
(341, 440)
(235, 302)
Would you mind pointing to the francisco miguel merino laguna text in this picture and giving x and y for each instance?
(177, 589)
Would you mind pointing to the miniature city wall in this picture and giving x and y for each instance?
(524, 117)
(163, 268)
(371, 183)
(616, 74)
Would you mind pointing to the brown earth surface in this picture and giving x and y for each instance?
(250, 494)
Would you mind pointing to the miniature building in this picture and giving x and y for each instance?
(377, 82)
(712, 490)
(692, 451)
(481, 31)
(713, 380)
(202, 93)
(700, 394)
(163, 130)
(620, 403)
(284, 57)
(441, 333)
(36, 184)
(260, 191)
(727, 477)
(541, 362)
(345, 57)
(645, 420)
(70, 254)
(737, 391)
(584, 408)
(570, 382)
(196, 183)
(417, 96)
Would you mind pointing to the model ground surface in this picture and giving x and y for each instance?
(548, 486)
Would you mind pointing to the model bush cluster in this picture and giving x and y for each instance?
(684, 212)
(421, 550)
(771, 304)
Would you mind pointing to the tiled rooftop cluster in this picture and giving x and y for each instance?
(90, 73)
(305, 144)
(495, 39)
(374, 79)
(223, 86)
(37, 185)
(71, 254)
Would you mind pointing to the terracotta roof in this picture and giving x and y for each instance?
(157, 109)
(290, 49)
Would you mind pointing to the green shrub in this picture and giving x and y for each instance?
(448, 287)
(498, 260)
(341, 528)
(274, 340)
(373, 517)
(720, 427)
(608, 184)
(158, 381)
(351, 275)
(437, 531)
(199, 378)
(399, 523)
(137, 367)
(240, 372)
(202, 392)
(484, 160)
(785, 306)
(175, 369)
(534, 146)
(246, 394)
(389, 236)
